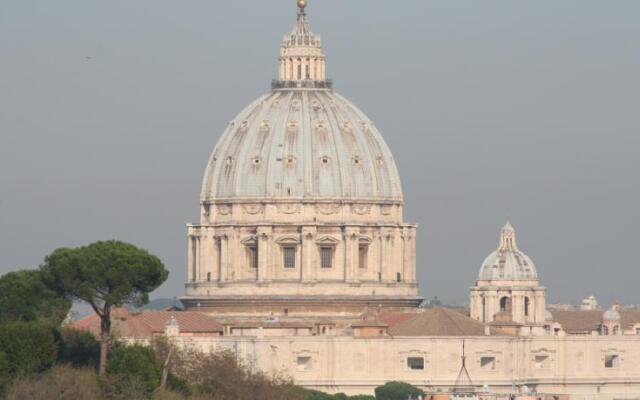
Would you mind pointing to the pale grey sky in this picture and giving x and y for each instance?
(110, 109)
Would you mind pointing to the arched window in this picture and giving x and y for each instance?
(526, 306)
(299, 69)
(505, 304)
(616, 330)
(399, 277)
(605, 330)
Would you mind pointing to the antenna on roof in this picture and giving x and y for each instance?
(463, 381)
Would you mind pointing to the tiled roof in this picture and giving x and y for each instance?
(574, 321)
(629, 318)
(125, 323)
(435, 322)
(271, 325)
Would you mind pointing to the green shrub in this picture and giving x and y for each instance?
(29, 347)
(362, 397)
(397, 391)
(25, 297)
(79, 348)
(178, 385)
(135, 361)
(317, 395)
(4, 373)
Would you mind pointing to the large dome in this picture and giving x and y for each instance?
(507, 263)
(301, 204)
(301, 144)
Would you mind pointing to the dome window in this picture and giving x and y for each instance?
(229, 160)
(356, 160)
(380, 160)
(255, 160)
(325, 160)
(290, 160)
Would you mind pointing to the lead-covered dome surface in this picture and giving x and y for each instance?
(507, 262)
(301, 143)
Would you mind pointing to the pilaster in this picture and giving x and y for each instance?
(351, 240)
(264, 254)
(309, 234)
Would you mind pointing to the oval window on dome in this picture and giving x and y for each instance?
(324, 160)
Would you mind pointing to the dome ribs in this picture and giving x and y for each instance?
(310, 144)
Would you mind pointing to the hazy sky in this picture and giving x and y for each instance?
(109, 111)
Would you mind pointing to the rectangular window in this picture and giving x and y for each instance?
(362, 256)
(289, 255)
(637, 331)
(416, 363)
(326, 257)
(253, 257)
(304, 363)
(542, 361)
(611, 361)
(488, 363)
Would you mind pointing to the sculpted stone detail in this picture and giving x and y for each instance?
(253, 209)
(224, 209)
(328, 209)
(289, 208)
(386, 210)
(361, 209)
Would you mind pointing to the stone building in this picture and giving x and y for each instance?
(301, 204)
(507, 292)
(302, 264)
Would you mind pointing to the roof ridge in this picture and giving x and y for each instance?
(453, 320)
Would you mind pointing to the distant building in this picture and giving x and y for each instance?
(589, 304)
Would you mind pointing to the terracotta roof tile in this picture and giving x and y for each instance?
(147, 323)
(436, 322)
(579, 321)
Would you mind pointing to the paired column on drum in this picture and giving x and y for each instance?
(264, 235)
(352, 244)
(308, 247)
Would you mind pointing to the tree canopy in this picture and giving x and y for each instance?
(109, 273)
(105, 275)
(25, 297)
(397, 391)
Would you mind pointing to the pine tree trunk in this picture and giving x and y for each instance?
(105, 338)
(165, 369)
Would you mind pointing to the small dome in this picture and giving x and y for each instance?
(507, 262)
(611, 315)
(548, 316)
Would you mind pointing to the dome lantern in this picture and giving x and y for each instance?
(507, 262)
(302, 62)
